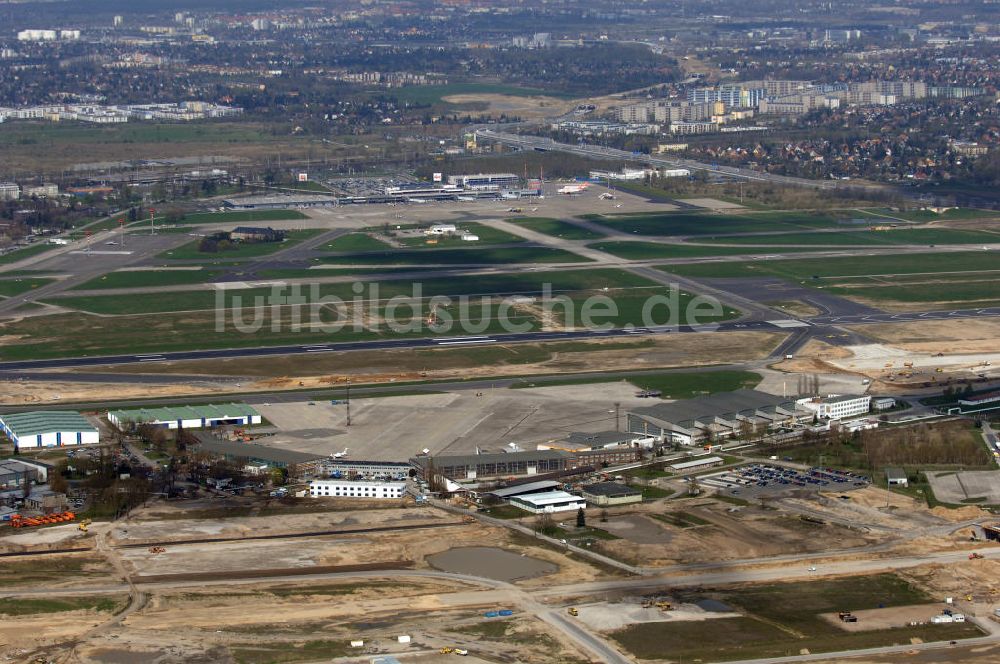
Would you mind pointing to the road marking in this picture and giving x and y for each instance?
(461, 338)
(466, 341)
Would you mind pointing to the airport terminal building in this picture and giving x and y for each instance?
(715, 416)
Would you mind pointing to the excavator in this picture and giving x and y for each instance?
(84, 525)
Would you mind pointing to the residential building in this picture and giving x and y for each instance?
(693, 127)
(350, 489)
(606, 494)
(549, 502)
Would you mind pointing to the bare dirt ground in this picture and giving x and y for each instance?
(526, 107)
(606, 616)
(217, 624)
(971, 335)
(887, 618)
(730, 533)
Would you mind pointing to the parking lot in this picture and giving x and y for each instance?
(761, 479)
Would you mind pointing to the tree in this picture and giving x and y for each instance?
(581, 518)
(58, 483)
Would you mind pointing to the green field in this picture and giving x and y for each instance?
(557, 228)
(570, 281)
(851, 267)
(484, 256)
(639, 250)
(487, 236)
(23, 607)
(923, 236)
(148, 278)
(27, 252)
(784, 620)
(189, 320)
(955, 214)
(672, 385)
(352, 242)
(240, 250)
(711, 223)
(10, 287)
(241, 216)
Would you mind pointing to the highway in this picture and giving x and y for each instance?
(600, 152)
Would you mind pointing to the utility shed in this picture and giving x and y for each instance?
(48, 428)
(896, 477)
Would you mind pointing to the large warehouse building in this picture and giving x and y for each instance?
(53, 428)
(186, 417)
(720, 415)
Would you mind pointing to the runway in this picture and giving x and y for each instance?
(802, 329)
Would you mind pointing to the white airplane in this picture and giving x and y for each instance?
(573, 188)
(607, 197)
(339, 455)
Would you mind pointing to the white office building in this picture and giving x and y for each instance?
(348, 489)
(9, 191)
(549, 502)
(837, 407)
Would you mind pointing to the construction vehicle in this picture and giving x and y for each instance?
(909, 365)
(84, 525)
(665, 606)
(154, 550)
(939, 370)
(446, 650)
(460, 651)
(18, 521)
(975, 555)
(468, 519)
(573, 612)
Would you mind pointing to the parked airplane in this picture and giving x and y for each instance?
(573, 188)
(339, 455)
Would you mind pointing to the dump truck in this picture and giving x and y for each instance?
(975, 555)
(573, 612)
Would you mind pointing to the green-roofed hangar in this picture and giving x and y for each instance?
(51, 428)
(186, 417)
